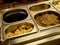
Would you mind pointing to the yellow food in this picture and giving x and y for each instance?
(19, 29)
(10, 34)
(57, 3)
(17, 32)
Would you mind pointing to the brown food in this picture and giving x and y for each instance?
(47, 20)
(39, 7)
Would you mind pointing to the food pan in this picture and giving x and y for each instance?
(54, 18)
(15, 15)
(50, 11)
(44, 19)
(12, 30)
(56, 4)
(38, 7)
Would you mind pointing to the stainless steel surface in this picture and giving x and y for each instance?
(48, 41)
(5, 24)
(39, 7)
(47, 35)
(36, 18)
(43, 36)
(33, 13)
(18, 8)
(15, 15)
(35, 29)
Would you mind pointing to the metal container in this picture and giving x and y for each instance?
(35, 13)
(38, 38)
(15, 15)
(33, 36)
(37, 6)
(47, 24)
(55, 4)
(26, 27)
(0, 20)
(0, 28)
(52, 42)
(48, 41)
(11, 17)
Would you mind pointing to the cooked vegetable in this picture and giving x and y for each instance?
(19, 29)
(39, 7)
(47, 19)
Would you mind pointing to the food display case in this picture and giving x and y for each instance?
(32, 24)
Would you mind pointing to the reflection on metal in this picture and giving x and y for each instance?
(42, 34)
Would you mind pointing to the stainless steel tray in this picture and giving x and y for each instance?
(6, 24)
(33, 13)
(38, 38)
(39, 33)
(19, 23)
